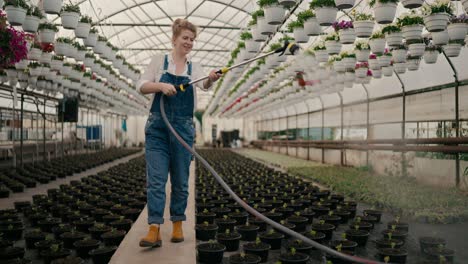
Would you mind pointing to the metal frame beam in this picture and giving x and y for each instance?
(160, 25)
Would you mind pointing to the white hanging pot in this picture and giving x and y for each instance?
(71, 51)
(35, 71)
(46, 35)
(377, 74)
(82, 30)
(416, 49)
(362, 55)
(361, 72)
(300, 35)
(465, 5)
(350, 76)
(99, 48)
(440, 38)
(457, 31)
(52, 6)
(436, 22)
(321, 55)
(257, 35)
(66, 70)
(287, 3)
(430, 56)
(61, 48)
(410, 4)
(399, 55)
(22, 65)
(70, 19)
(413, 64)
(384, 60)
(264, 27)
(399, 67)
(374, 64)
(377, 45)
(394, 39)
(15, 15)
(91, 40)
(344, 4)
(56, 65)
(252, 46)
(363, 29)
(412, 31)
(349, 62)
(274, 14)
(312, 27)
(34, 54)
(80, 55)
(326, 15)
(452, 49)
(333, 47)
(347, 36)
(31, 24)
(384, 13)
(46, 57)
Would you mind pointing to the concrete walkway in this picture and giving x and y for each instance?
(170, 253)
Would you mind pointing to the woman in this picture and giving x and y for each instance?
(164, 154)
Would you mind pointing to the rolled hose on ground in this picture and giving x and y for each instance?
(251, 210)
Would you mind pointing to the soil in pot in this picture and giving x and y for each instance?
(258, 222)
(361, 226)
(398, 225)
(205, 216)
(84, 246)
(244, 259)
(287, 225)
(211, 252)
(299, 246)
(435, 253)
(318, 237)
(393, 255)
(375, 213)
(388, 243)
(122, 224)
(396, 234)
(325, 228)
(205, 231)
(248, 232)
(98, 229)
(102, 255)
(113, 237)
(230, 239)
(70, 237)
(428, 242)
(347, 245)
(274, 215)
(258, 248)
(240, 217)
(293, 257)
(272, 238)
(300, 222)
(331, 219)
(225, 223)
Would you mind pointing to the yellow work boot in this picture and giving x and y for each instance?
(153, 238)
(177, 233)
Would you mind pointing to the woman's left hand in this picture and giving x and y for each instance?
(214, 76)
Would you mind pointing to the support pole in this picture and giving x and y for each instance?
(404, 172)
(342, 127)
(322, 130)
(21, 130)
(367, 122)
(44, 131)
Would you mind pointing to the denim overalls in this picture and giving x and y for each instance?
(165, 154)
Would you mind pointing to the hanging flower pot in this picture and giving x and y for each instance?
(399, 55)
(347, 36)
(465, 5)
(256, 34)
(47, 32)
(349, 62)
(344, 4)
(350, 76)
(92, 38)
(70, 16)
(321, 55)
(377, 74)
(312, 27)
(452, 49)
(56, 63)
(16, 12)
(252, 46)
(83, 27)
(412, 31)
(363, 28)
(300, 35)
(287, 3)
(52, 6)
(35, 69)
(31, 23)
(410, 4)
(100, 46)
(333, 47)
(457, 31)
(416, 49)
(274, 14)
(377, 45)
(361, 72)
(399, 67)
(412, 63)
(430, 56)
(264, 27)
(35, 53)
(436, 22)
(384, 13)
(440, 38)
(46, 57)
(374, 63)
(22, 65)
(326, 15)
(393, 38)
(362, 55)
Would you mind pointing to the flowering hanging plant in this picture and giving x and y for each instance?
(377, 35)
(361, 16)
(332, 37)
(439, 6)
(463, 18)
(369, 73)
(361, 65)
(342, 25)
(361, 45)
(410, 19)
(13, 43)
(320, 46)
(345, 54)
(372, 56)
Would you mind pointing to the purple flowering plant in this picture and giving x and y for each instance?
(463, 18)
(13, 43)
(342, 25)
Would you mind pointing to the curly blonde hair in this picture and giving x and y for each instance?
(181, 24)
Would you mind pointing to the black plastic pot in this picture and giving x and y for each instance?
(68, 260)
(274, 215)
(210, 253)
(260, 249)
(362, 226)
(113, 238)
(369, 219)
(12, 233)
(97, 230)
(398, 225)
(387, 243)
(429, 242)
(344, 214)
(244, 259)
(297, 258)
(331, 219)
(205, 217)
(320, 210)
(287, 225)
(375, 213)
(300, 222)
(358, 236)
(205, 232)
(318, 237)
(83, 247)
(124, 224)
(47, 224)
(102, 255)
(273, 239)
(70, 237)
(248, 232)
(230, 240)
(225, 223)
(5, 243)
(84, 224)
(396, 255)
(50, 254)
(32, 237)
(337, 260)
(240, 217)
(346, 245)
(434, 253)
(260, 223)
(325, 228)
(12, 253)
(46, 244)
(396, 234)
(309, 214)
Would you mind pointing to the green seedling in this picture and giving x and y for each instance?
(258, 241)
(293, 251)
(228, 231)
(297, 213)
(393, 227)
(343, 236)
(330, 213)
(389, 235)
(205, 211)
(356, 227)
(313, 232)
(322, 222)
(387, 259)
(338, 248)
(392, 245)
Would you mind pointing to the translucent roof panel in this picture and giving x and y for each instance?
(142, 28)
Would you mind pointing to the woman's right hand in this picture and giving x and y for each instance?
(167, 89)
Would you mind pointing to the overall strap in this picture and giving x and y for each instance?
(166, 63)
(189, 70)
